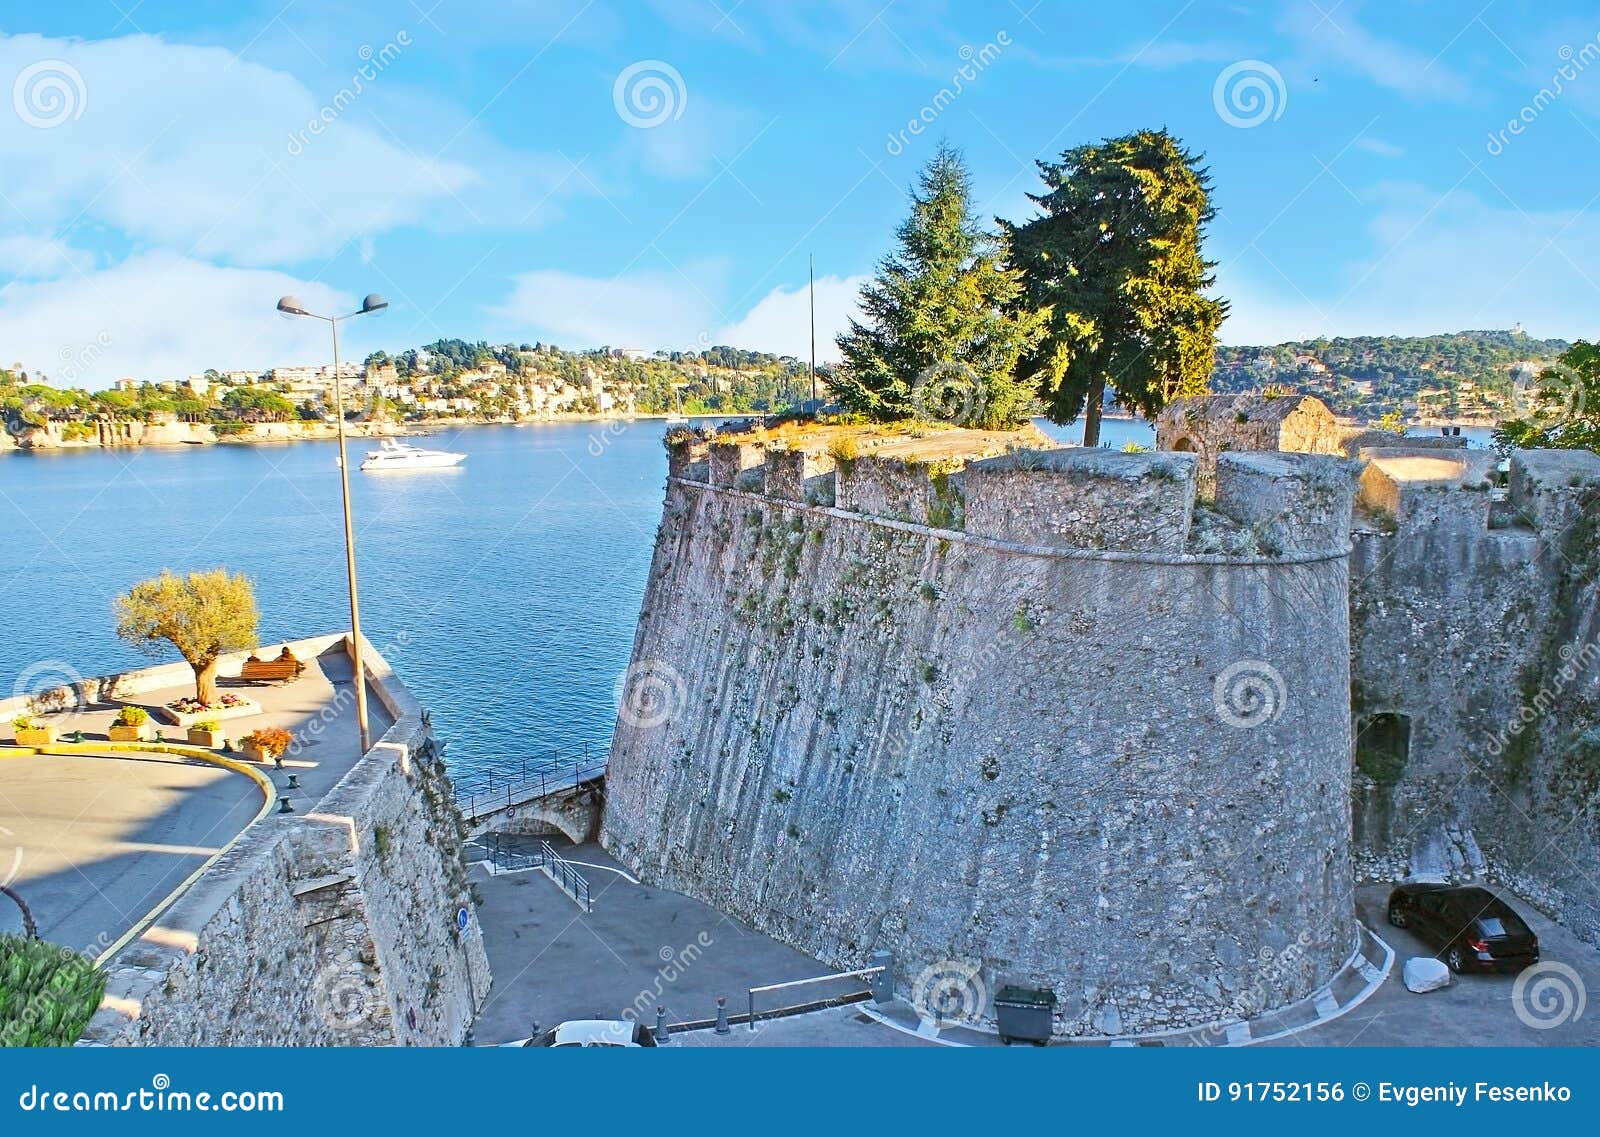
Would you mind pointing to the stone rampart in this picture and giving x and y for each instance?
(1119, 772)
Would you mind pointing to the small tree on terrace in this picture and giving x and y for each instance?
(204, 615)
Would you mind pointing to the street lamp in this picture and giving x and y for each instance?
(291, 306)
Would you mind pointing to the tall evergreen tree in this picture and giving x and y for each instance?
(945, 328)
(1114, 261)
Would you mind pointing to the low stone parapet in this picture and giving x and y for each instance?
(1083, 499)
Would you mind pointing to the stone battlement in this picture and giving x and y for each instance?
(1422, 488)
(1068, 498)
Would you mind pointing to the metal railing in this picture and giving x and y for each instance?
(859, 973)
(551, 863)
(551, 771)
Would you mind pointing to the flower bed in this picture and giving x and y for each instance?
(187, 712)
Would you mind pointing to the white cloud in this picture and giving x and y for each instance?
(667, 310)
(780, 322)
(24, 256)
(1336, 37)
(645, 309)
(1435, 265)
(160, 315)
(1375, 145)
(192, 148)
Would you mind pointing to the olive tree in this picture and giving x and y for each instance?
(204, 615)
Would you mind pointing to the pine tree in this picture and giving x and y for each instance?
(1114, 261)
(944, 328)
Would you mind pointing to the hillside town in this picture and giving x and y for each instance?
(1470, 377)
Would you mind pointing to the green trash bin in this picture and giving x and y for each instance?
(1025, 1014)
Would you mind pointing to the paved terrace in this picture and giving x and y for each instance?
(96, 839)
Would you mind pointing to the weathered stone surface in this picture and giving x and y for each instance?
(885, 487)
(1211, 425)
(1293, 503)
(799, 476)
(1083, 499)
(905, 738)
(737, 465)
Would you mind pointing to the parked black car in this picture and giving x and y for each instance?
(1471, 928)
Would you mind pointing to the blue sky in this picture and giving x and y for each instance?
(655, 173)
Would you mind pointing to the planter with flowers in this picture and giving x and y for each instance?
(207, 733)
(132, 725)
(266, 743)
(30, 732)
(188, 711)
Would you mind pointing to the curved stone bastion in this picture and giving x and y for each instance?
(1041, 718)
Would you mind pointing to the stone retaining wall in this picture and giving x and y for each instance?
(336, 927)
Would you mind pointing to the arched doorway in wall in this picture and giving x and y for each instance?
(1383, 747)
(1183, 444)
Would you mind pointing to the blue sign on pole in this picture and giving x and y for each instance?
(463, 918)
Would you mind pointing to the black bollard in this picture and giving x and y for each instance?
(722, 1014)
(662, 1038)
(284, 806)
(294, 781)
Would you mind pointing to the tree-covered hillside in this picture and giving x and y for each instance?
(1461, 374)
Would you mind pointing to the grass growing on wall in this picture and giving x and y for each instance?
(47, 993)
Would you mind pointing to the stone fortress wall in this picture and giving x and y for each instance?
(1475, 648)
(330, 928)
(1476, 671)
(921, 720)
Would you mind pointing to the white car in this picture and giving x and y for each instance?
(592, 1032)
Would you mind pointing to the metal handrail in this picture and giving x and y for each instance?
(552, 863)
(534, 779)
(860, 972)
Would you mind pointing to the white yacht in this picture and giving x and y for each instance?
(392, 455)
(677, 417)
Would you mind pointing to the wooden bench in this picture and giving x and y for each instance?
(281, 670)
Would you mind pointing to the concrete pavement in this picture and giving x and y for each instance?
(94, 841)
(641, 948)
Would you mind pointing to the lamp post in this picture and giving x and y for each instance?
(289, 305)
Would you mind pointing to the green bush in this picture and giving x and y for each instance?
(132, 716)
(22, 722)
(208, 725)
(47, 993)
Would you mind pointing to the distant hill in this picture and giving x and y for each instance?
(1462, 375)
